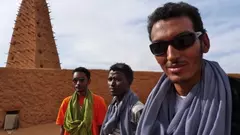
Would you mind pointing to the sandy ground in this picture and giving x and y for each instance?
(46, 129)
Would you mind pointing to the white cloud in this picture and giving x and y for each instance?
(97, 34)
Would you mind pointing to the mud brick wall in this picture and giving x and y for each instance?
(38, 93)
(32, 44)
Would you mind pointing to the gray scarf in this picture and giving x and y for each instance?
(206, 110)
(120, 113)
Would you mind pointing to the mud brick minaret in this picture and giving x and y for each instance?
(32, 44)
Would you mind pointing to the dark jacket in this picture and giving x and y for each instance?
(235, 86)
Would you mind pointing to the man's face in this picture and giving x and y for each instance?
(179, 65)
(80, 82)
(117, 83)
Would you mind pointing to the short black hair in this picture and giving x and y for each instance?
(125, 69)
(84, 70)
(171, 10)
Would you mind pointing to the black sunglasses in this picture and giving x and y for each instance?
(180, 42)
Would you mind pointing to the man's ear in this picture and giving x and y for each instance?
(89, 81)
(205, 43)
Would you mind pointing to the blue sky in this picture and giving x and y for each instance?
(96, 34)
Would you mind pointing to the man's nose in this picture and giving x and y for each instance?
(172, 54)
(79, 82)
(113, 83)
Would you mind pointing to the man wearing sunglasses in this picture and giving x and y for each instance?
(83, 112)
(194, 96)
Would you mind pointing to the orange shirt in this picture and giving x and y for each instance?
(99, 112)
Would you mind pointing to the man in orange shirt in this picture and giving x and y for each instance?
(83, 112)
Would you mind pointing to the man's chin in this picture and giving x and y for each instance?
(176, 78)
(79, 91)
(114, 94)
